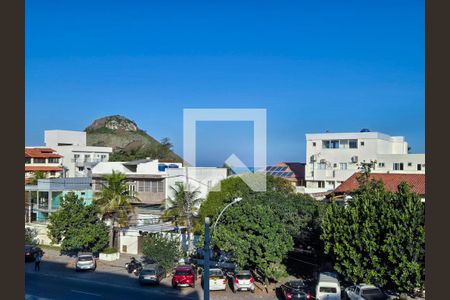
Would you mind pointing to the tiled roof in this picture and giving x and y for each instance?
(41, 153)
(391, 182)
(43, 168)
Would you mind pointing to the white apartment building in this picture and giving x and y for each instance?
(332, 158)
(78, 158)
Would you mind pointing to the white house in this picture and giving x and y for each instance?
(79, 159)
(153, 180)
(331, 158)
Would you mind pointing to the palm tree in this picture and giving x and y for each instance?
(114, 201)
(182, 206)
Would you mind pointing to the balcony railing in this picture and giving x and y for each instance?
(87, 161)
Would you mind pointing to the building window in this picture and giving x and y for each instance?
(398, 167)
(321, 184)
(381, 164)
(419, 167)
(52, 173)
(343, 166)
(333, 144)
(353, 144)
(27, 160)
(53, 160)
(409, 164)
(103, 157)
(161, 186)
(362, 143)
(76, 156)
(314, 144)
(87, 157)
(39, 160)
(322, 166)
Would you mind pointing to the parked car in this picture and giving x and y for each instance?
(364, 292)
(151, 274)
(328, 287)
(217, 280)
(184, 275)
(296, 289)
(85, 261)
(31, 251)
(243, 281)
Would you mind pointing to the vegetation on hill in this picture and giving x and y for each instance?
(128, 141)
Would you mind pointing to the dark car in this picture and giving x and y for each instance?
(151, 274)
(184, 276)
(296, 289)
(31, 251)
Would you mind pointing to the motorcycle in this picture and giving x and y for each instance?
(133, 266)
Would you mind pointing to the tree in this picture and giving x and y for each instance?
(36, 176)
(162, 249)
(30, 236)
(256, 237)
(77, 226)
(379, 237)
(233, 187)
(182, 206)
(114, 202)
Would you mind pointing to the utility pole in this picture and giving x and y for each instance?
(206, 261)
(189, 210)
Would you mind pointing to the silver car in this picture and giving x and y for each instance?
(85, 261)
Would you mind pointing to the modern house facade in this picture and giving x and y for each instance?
(45, 198)
(78, 158)
(42, 159)
(331, 158)
(152, 181)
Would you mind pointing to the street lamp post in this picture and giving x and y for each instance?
(207, 249)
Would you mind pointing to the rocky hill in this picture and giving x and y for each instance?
(128, 141)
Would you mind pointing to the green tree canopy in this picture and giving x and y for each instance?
(233, 187)
(77, 226)
(379, 237)
(36, 176)
(162, 249)
(254, 233)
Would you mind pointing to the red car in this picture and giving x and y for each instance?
(184, 276)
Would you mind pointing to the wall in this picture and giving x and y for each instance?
(53, 137)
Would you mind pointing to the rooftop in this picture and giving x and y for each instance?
(41, 153)
(391, 182)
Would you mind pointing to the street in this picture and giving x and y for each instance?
(57, 279)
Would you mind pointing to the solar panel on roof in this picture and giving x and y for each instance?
(283, 168)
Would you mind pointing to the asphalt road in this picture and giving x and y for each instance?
(40, 286)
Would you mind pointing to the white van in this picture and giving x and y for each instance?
(328, 288)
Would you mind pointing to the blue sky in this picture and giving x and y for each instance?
(314, 65)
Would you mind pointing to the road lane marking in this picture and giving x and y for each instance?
(146, 291)
(87, 293)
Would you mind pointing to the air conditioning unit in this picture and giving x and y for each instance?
(323, 161)
(354, 159)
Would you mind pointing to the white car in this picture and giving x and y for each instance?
(328, 287)
(364, 292)
(85, 261)
(243, 281)
(217, 280)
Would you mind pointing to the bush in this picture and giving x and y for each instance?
(30, 236)
(110, 250)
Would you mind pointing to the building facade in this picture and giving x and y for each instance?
(331, 158)
(43, 199)
(152, 181)
(44, 160)
(78, 158)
